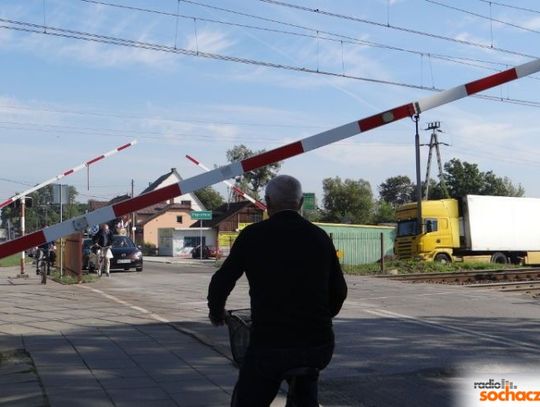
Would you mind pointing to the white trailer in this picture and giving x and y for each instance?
(500, 223)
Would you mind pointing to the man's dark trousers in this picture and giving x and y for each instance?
(262, 373)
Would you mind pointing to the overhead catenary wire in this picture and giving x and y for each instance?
(85, 36)
(95, 132)
(160, 119)
(392, 27)
(328, 35)
(478, 15)
(511, 6)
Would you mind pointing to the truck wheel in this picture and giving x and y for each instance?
(442, 258)
(499, 258)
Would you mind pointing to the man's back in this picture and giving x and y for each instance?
(296, 284)
(296, 287)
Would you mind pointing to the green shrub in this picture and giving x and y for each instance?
(149, 249)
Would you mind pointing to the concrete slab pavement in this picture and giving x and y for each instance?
(77, 347)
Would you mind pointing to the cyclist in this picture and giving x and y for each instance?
(45, 252)
(293, 298)
(103, 239)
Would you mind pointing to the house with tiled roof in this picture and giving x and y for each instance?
(173, 177)
(220, 232)
(172, 213)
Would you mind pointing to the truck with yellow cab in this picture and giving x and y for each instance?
(474, 228)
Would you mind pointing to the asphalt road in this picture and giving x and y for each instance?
(397, 343)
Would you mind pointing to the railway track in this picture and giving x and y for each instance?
(469, 277)
(522, 280)
(527, 287)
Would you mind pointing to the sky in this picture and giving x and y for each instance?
(65, 100)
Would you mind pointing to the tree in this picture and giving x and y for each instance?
(463, 178)
(384, 212)
(435, 190)
(209, 197)
(494, 185)
(252, 182)
(43, 212)
(347, 201)
(397, 190)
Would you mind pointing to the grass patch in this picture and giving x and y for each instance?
(13, 260)
(69, 279)
(412, 266)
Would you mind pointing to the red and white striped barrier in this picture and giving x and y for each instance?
(68, 172)
(237, 168)
(258, 204)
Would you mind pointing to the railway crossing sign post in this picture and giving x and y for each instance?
(201, 216)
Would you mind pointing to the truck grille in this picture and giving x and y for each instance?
(404, 248)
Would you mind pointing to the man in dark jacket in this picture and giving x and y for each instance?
(104, 240)
(296, 288)
(103, 237)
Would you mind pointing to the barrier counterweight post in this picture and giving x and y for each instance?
(23, 229)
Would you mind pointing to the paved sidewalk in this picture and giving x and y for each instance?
(92, 349)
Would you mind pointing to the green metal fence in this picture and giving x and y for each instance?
(360, 244)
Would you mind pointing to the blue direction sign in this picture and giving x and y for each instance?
(201, 215)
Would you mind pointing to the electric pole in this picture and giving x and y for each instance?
(419, 222)
(434, 145)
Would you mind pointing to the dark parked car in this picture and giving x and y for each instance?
(208, 251)
(126, 254)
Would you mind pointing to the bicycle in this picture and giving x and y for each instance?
(43, 265)
(239, 326)
(103, 261)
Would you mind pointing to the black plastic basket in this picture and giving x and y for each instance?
(239, 324)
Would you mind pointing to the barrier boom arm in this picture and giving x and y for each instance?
(66, 173)
(258, 204)
(237, 168)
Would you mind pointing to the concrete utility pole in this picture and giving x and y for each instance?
(434, 145)
(419, 229)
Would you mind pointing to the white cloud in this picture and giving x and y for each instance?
(365, 155)
(533, 23)
(92, 20)
(467, 36)
(112, 55)
(210, 41)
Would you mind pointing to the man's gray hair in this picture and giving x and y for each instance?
(284, 191)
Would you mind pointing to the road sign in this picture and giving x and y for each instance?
(201, 215)
(60, 194)
(309, 201)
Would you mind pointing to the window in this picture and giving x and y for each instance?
(179, 219)
(406, 228)
(122, 241)
(193, 241)
(431, 225)
(256, 217)
(188, 203)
